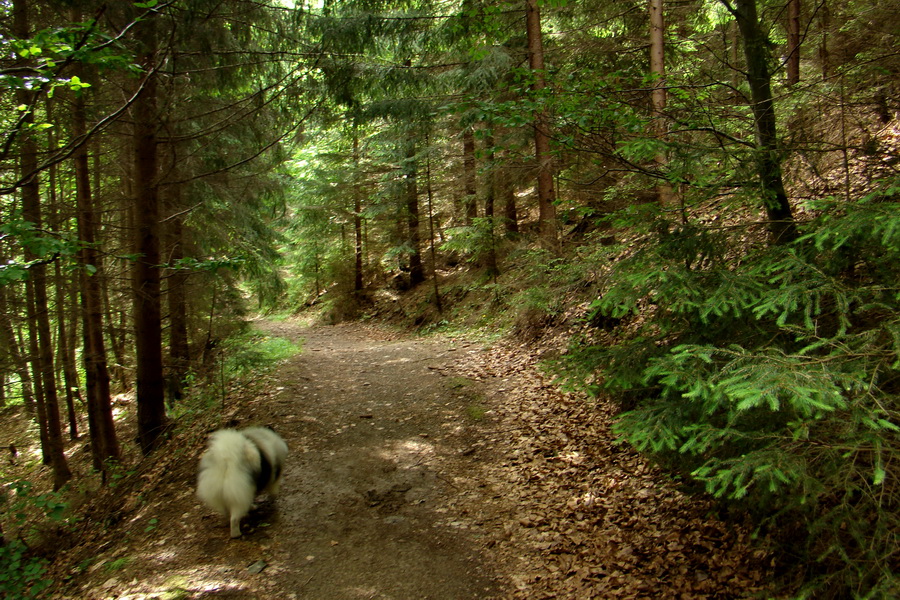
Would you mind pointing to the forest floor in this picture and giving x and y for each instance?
(420, 468)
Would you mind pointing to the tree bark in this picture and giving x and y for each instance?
(825, 26)
(416, 270)
(65, 361)
(69, 372)
(782, 226)
(431, 233)
(357, 218)
(14, 352)
(176, 280)
(39, 316)
(664, 190)
(176, 296)
(547, 225)
(508, 193)
(793, 42)
(470, 204)
(145, 271)
(491, 265)
(104, 443)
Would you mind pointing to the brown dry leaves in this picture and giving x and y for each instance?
(582, 517)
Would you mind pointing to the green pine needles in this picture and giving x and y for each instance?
(770, 378)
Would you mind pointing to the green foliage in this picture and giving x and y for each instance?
(25, 237)
(251, 353)
(21, 571)
(21, 575)
(771, 381)
(474, 241)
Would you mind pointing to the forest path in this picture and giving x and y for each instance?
(378, 440)
(419, 469)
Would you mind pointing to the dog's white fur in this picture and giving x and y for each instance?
(233, 471)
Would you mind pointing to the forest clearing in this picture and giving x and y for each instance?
(548, 299)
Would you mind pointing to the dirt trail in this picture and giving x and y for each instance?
(379, 443)
(418, 470)
(376, 439)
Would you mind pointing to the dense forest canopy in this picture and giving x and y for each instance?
(710, 185)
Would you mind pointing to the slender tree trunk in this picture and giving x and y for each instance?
(658, 95)
(176, 280)
(104, 443)
(782, 227)
(145, 272)
(542, 156)
(35, 368)
(416, 270)
(508, 193)
(176, 296)
(431, 235)
(470, 204)
(14, 351)
(825, 26)
(40, 313)
(357, 218)
(793, 42)
(491, 265)
(65, 361)
(115, 332)
(69, 373)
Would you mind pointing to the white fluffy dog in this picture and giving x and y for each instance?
(236, 467)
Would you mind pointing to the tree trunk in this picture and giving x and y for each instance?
(40, 313)
(116, 333)
(37, 380)
(176, 296)
(69, 372)
(176, 280)
(470, 204)
(664, 190)
(508, 193)
(431, 233)
(104, 444)
(782, 227)
(145, 272)
(65, 361)
(825, 26)
(416, 270)
(542, 157)
(357, 218)
(491, 266)
(14, 352)
(793, 42)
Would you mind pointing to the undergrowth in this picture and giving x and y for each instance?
(771, 379)
(22, 569)
(29, 519)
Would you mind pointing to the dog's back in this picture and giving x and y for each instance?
(274, 451)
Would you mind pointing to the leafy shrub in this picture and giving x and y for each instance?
(21, 576)
(771, 380)
(21, 570)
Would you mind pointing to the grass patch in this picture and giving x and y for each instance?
(118, 564)
(476, 411)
